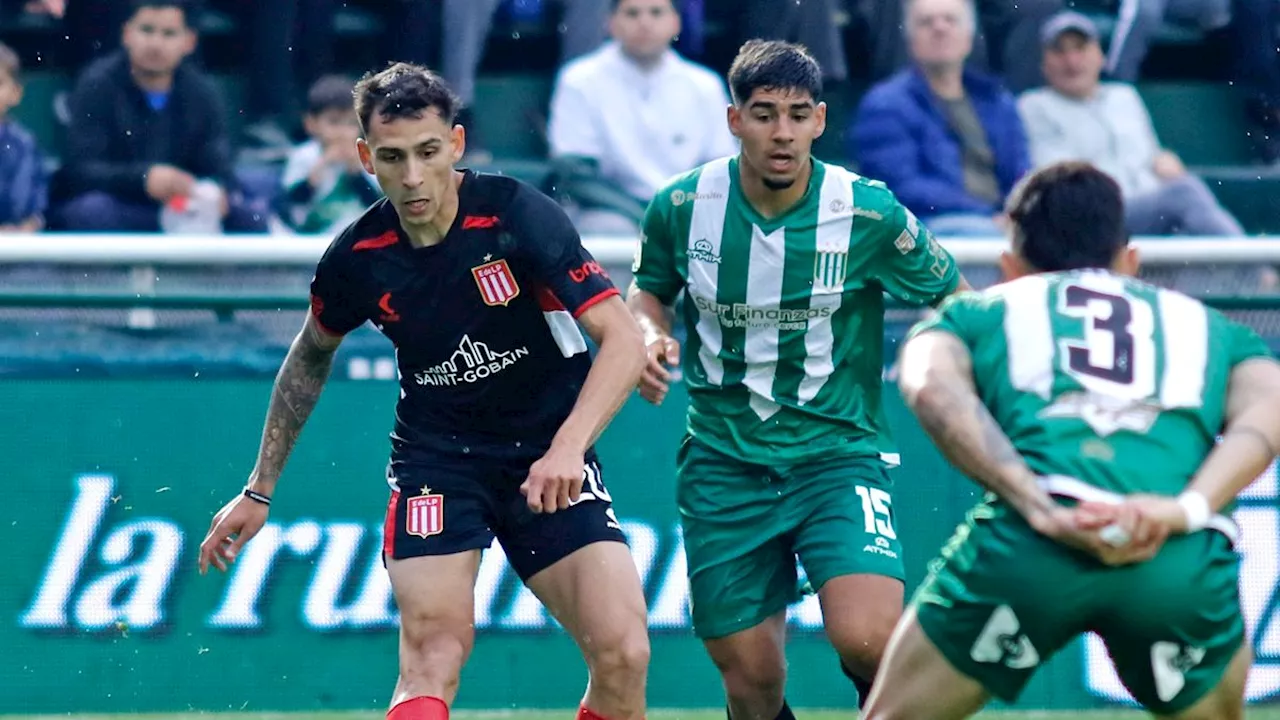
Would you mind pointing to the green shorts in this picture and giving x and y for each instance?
(1002, 599)
(744, 526)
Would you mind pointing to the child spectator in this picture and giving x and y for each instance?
(325, 186)
(23, 183)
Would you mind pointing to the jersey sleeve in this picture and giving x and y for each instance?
(1243, 343)
(333, 296)
(654, 269)
(911, 265)
(970, 316)
(552, 249)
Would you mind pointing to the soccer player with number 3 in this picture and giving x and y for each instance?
(1088, 403)
(782, 262)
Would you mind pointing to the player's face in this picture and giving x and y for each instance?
(940, 32)
(413, 160)
(644, 28)
(10, 93)
(157, 40)
(777, 129)
(1073, 65)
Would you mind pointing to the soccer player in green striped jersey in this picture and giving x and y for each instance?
(1089, 404)
(782, 262)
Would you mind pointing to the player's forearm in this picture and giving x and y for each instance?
(1249, 444)
(936, 381)
(650, 314)
(296, 391)
(614, 374)
(969, 438)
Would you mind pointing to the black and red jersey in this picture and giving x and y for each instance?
(490, 356)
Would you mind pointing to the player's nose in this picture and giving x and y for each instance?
(413, 174)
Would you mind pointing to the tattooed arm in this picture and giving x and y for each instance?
(293, 397)
(936, 379)
(297, 389)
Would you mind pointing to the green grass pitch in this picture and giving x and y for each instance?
(1272, 713)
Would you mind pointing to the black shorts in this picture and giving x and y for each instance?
(441, 509)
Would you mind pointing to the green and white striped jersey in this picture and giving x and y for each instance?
(785, 316)
(1101, 378)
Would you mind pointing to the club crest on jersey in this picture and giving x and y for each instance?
(496, 282)
(424, 514)
(830, 269)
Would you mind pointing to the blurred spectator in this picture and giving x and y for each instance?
(1139, 21)
(1009, 34)
(948, 141)
(292, 45)
(145, 127)
(581, 27)
(1255, 29)
(634, 113)
(1080, 118)
(325, 185)
(811, 23)
(23, 185)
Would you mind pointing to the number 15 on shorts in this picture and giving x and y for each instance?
(875, 511)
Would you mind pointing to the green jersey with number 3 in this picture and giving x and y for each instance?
(1101, 378)
(785, 315)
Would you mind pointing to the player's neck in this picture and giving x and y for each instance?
(433, 233)
(152, 82)
(768, 202)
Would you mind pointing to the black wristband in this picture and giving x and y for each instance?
(257, 496)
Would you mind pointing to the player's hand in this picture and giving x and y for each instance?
(1115, 534)
(655, 380)
(555, 481)
(234, 525)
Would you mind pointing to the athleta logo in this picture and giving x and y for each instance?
(703, 252)
(472, 361)
(388, 313)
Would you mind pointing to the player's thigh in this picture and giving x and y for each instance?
(595, 593)
(1226, 701)
(438, 510)
(753, 661)
(916, 682)
(436, 598)
(1002, 599)
(849, 547)
(1173, 625)
(737, 528)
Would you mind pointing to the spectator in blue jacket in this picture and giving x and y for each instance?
(948, 141)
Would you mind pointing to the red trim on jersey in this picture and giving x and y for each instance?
(317, 307)
(547, 300)
(420, 708)
(386, 239)
(479, 222)
(389, 526)
(597, 299)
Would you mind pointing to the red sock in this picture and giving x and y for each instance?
(586, 713)
(420, 708)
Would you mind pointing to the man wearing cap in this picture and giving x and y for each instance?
(1078, 117)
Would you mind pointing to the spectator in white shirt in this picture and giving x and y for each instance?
(1078, 117)
(634, 113)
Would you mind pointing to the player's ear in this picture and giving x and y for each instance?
(366, 155)
(1128, 261)
(459, 137)
(735, 121)
(820, 119)
(1012, 267)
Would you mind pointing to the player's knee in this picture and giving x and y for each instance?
(754, 679)
(432, 654)
(622, 662)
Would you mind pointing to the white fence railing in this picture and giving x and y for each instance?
(91, 249)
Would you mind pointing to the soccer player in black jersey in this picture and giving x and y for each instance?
(477, 280)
